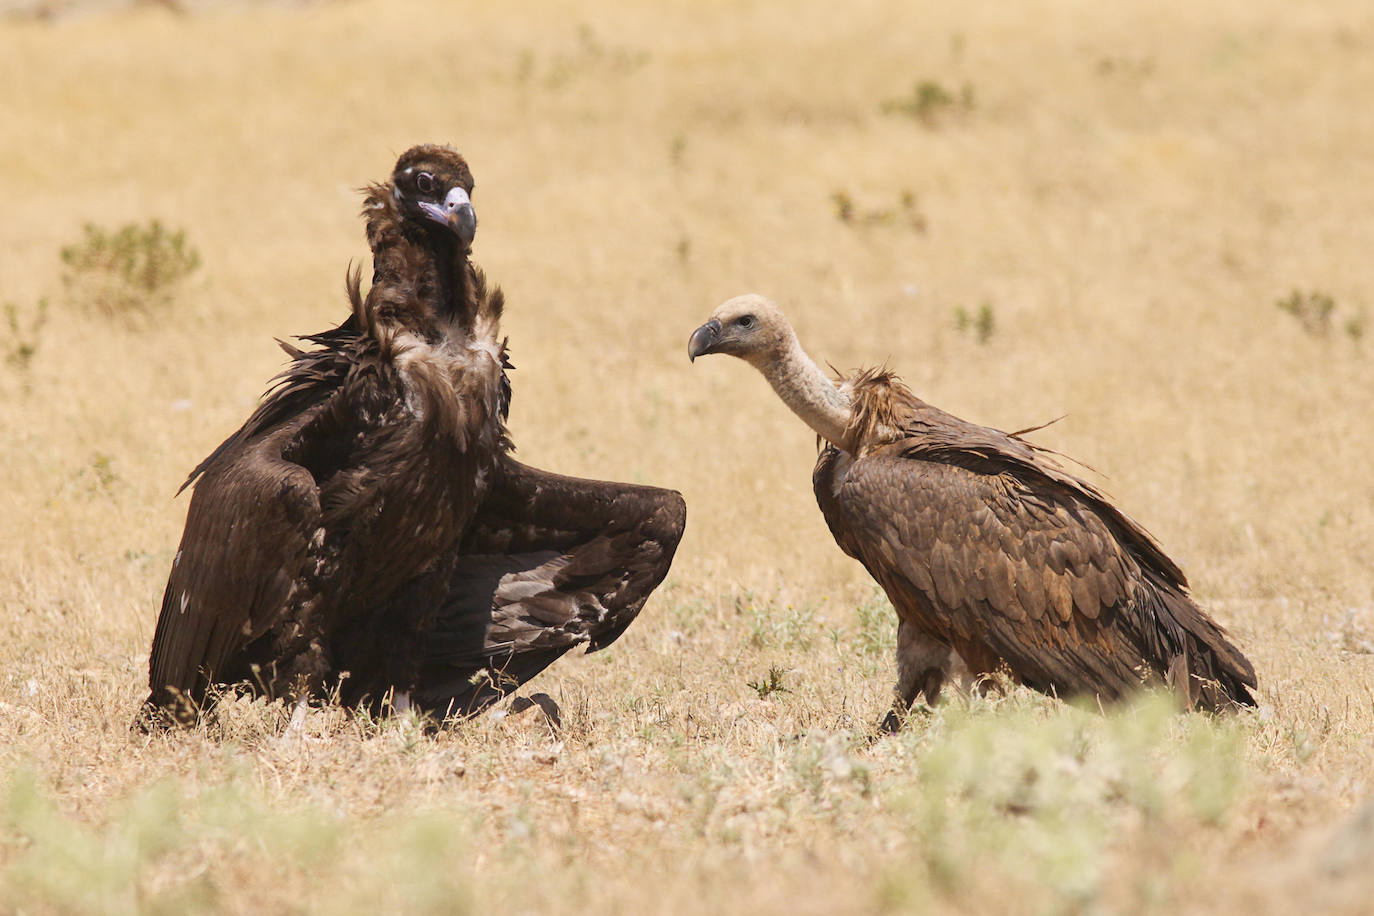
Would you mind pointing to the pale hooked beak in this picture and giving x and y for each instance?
(456, 214)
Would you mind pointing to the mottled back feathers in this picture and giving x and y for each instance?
(990, 545)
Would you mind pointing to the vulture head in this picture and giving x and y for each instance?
(755, 330)
(432, 187)
(750, 327)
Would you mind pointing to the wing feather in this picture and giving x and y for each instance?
(978, 534)
(1058, 597)
(991, 565)
(549, 563)
(248, 532)
(1030, 592)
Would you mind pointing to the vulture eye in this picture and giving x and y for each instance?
(425, 182)
(745, 321)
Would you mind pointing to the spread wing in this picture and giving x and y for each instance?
(310, 378)
(549, 563)
(254, 519)
(990, 549)
(248, 532)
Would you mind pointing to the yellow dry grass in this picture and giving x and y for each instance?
(1128, 188)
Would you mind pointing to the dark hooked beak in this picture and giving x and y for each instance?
(704, 340)
(455, 214)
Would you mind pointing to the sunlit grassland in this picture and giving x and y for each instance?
(1133, 214)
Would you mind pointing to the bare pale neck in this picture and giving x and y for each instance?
(811, 394)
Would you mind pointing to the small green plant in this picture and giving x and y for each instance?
(1126, 67)
(981, 324)
(1317, 314)
(930, 101)
(23, 341)
(906, 211)
(823, 765)
(844, 206)
(1042, 790)
(102, 466)
(1313, 310)
(129, 269)
(153, 852)
(1354, 326)
(787, 628)
(524, 67)
(877, 627)
(677, 149)
(95, 478)
(770, 684)
(593, 55)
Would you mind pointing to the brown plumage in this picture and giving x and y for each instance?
(986, 547)
(366, 530)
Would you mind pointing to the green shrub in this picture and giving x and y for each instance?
(162, 849)
(981, 324)
(23, 340)
(1046, 796)
(877, 627)
(1313, 310)
(905, 212)
(130, 269)
(772, 683)
(788, 628)
(930, 101)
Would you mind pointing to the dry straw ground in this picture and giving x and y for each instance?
(1114, 197)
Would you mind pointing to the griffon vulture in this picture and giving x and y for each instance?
(367, 532)
(986, 547)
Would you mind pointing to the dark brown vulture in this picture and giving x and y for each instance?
(367, 531)
(986, 547)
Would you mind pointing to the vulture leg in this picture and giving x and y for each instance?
(923, 662)
(548, 563)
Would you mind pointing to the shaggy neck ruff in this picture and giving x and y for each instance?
(420, 278)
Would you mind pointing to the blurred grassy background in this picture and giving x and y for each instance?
(1033, 209)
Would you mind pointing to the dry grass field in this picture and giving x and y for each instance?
(1028, 209)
